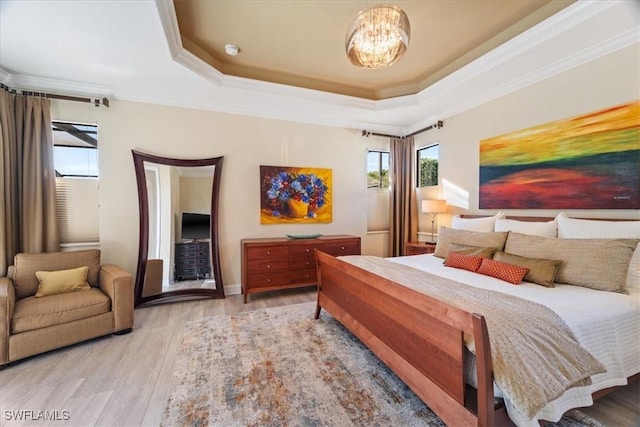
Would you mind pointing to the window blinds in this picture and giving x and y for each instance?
(377, 209)
(77, 209)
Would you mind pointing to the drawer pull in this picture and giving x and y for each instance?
(308, 250)
(342, 248)
(268, 252)
(307, 263)
(268, 265)
(268, 280)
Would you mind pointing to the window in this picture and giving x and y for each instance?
(75, 158)
(377, 190)
(428, 166)
(378, 169)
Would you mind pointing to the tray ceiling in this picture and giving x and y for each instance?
(301, 43)
(133, 51)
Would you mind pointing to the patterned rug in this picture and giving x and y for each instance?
(280, 367)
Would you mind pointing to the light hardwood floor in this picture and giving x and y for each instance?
(124, 380)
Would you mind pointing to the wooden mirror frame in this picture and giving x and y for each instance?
(143, 245)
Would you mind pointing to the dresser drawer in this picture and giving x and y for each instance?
(202, 253)
(186, 248)
(302, 263)
(266, 265)
(203, 271)
(305, 251)
(186, 271)
(303, 276)
(349, 247)
(204, 261)
(267, 252)
(267, 279)
(187, 262)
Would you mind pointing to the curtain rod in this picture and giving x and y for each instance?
(95, 101)
(436, 125)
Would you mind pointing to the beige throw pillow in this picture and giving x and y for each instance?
(472, 250)
(57, 282)
(593, 263)
(541, 271)
(447, 236)
(633, 275)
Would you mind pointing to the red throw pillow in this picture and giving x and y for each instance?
(503, 271)
(465, 262)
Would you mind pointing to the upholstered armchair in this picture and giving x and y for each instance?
(39, 313)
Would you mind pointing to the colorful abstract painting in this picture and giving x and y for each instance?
(586, 162)
(295, 195)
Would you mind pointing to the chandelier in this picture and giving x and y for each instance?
(378, 37)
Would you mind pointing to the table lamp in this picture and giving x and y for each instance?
(433, 208)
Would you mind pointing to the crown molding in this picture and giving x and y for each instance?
(5, 77)
(169, 21)
(535, 38)
(562, 42)
(63, 87)
(465, 80)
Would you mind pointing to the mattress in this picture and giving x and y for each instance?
(605, 324)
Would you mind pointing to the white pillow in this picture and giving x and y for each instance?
(476, 224)
(571, 228)
(546, 229)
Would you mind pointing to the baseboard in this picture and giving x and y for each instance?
(234, 289)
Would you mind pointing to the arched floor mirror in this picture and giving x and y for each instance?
(178, 256)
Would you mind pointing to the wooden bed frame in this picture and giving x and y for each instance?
(418, 337)
(428, 358)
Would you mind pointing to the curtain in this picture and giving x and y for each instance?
(403, 210)
(8, 182)
(29, 222)
(37, 185)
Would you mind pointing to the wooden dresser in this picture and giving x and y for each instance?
(419, 248)
(192, 261)
(269, 264)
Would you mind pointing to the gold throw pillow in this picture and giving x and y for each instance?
(58, 282)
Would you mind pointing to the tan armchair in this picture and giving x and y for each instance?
(31, 325)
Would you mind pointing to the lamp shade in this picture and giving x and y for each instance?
(434, 206)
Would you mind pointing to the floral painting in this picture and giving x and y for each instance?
(295, 195)
(585, 162)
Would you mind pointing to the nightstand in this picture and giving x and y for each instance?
(418, 248)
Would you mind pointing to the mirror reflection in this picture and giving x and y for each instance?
(178, 254)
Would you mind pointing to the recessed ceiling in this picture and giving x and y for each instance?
(301, 43)
(144, 60)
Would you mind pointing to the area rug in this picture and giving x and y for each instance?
(280, 367)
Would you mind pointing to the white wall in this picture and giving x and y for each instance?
(246, 143)
(195, 194)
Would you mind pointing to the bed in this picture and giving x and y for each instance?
(445, 353)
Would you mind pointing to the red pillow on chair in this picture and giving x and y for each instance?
(465, 262)
(503, 271)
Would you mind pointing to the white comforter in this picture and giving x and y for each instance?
(607, 324)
